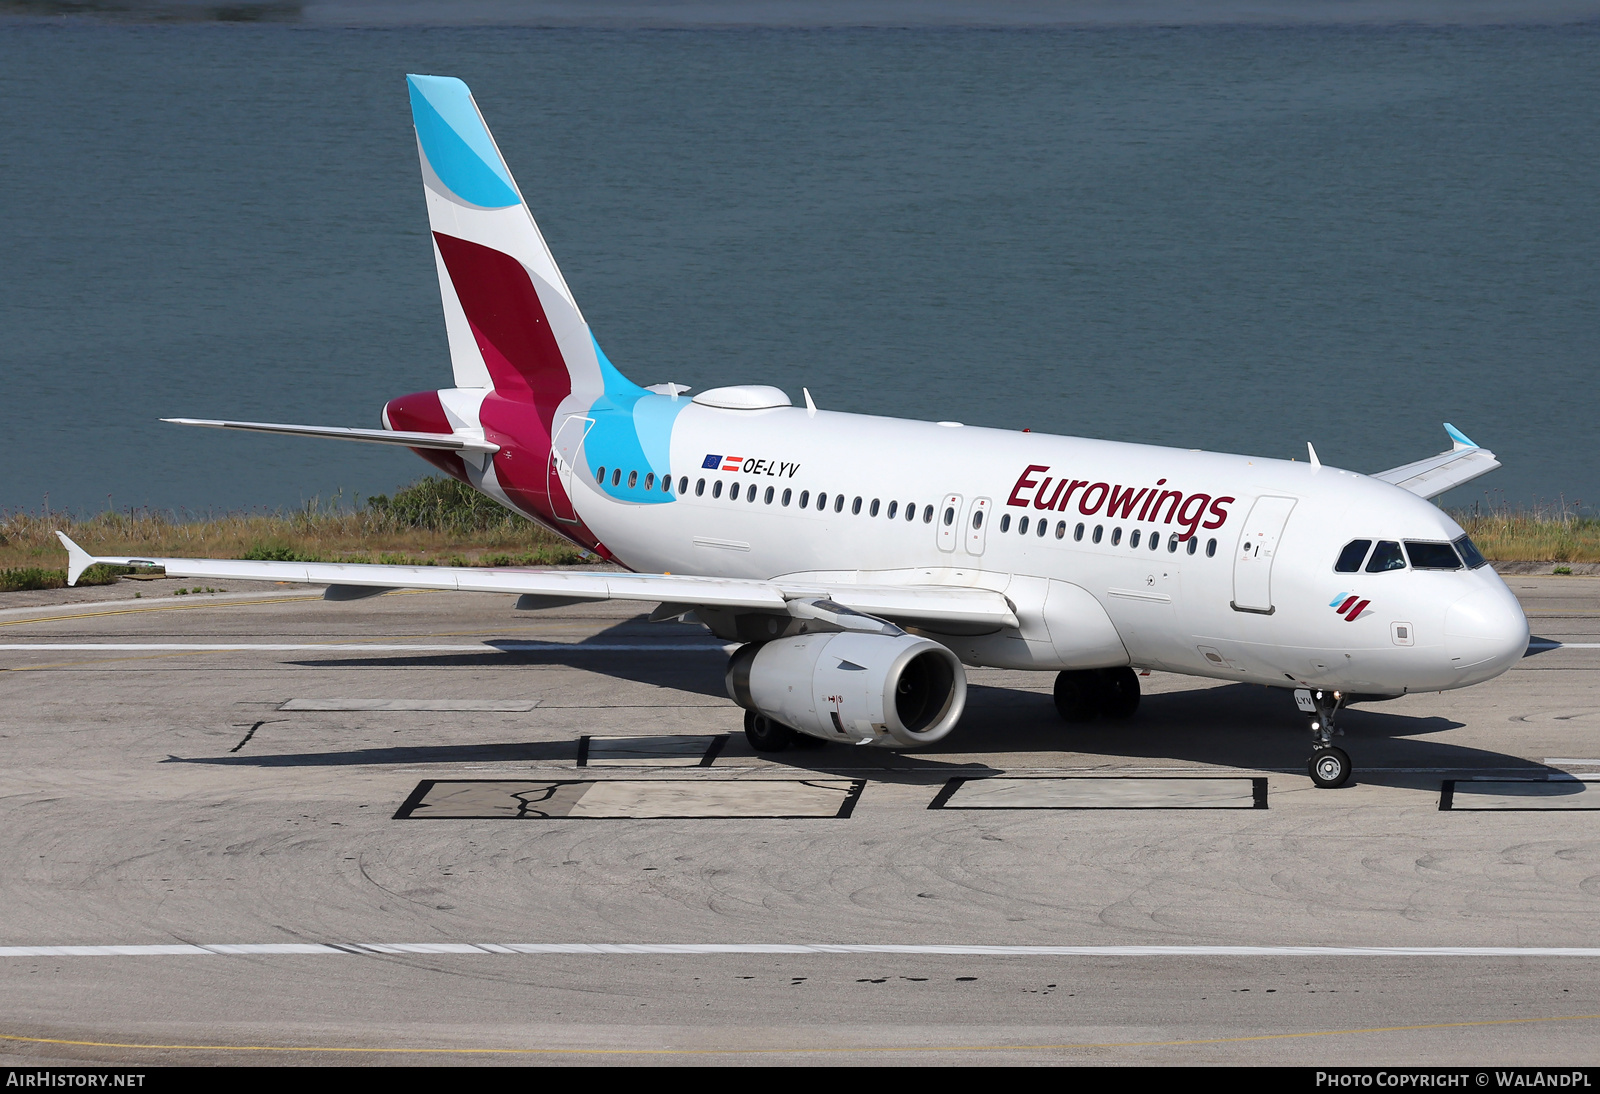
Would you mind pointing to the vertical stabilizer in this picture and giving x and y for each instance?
(512, 321)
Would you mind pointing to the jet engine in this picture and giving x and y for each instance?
(896, 690)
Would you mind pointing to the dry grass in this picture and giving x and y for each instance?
(431, 522)
(1541, 535)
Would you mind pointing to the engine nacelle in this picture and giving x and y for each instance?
(893, 690)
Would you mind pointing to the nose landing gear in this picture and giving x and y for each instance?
(1329, 766)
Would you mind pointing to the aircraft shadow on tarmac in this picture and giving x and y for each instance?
(1240, 726)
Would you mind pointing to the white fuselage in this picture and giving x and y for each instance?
(1251, 599)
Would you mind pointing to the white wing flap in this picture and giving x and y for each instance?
(928, 604)
(1431, 477)
(445, 441)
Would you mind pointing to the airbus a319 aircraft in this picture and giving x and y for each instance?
(861, 561)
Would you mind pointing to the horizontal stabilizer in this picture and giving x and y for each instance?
(911, 604)
(445, 441)
(1433, 476)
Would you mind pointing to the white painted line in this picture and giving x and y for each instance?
(364, 647)
(507, 706)
(819, 949)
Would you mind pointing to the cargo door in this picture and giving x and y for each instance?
(1258, 546)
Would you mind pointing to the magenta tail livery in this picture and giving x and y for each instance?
(862, 561)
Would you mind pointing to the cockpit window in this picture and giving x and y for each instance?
(1470, 553)
(1350, 558)
(1386, 556)
(1432, 556)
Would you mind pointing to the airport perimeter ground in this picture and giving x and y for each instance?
(193, 795)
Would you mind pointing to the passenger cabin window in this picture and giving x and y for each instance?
(911, 510)
(1350, 558)
(822, 502)
(1005, 521)
(1022, 526)
(1432, 556)
(699, 487)
(805, 498)
(787, 494)
(1172, 543)
(949, 516)
(1099, 529)
(771, 490)
(1469, 553)
(855, 508)
(750, 494)
(1155, 540)
(1061, 529)
(838, 503)
(1386, 556)
(927, 514)
(1077, 533)
(716, 489)
(683, 485)
(1044, 526)
(666, 484)
(1194, 545)
(733, 491)
(1133, 538)
(600, 476)
(616, 477)
(1116, 536)
(894, 507)
(873, 510)
(650, 481)
(1211, 548)
(977, 518)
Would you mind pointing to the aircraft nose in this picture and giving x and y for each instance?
(1485, 633)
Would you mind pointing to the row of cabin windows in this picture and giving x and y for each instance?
(751, 490)
(1422, 554)
(821, 502)
(1042, 526)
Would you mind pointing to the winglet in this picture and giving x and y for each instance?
(1458, 437)
(78, 560)
(1316, 464)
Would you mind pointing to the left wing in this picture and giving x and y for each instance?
(916, 605)
(1433, 476)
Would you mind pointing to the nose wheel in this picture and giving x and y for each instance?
(1329, 766)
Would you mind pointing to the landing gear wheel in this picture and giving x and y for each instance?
(1329, 767)
(765, 735)
(1119, 692)
(1078, 696)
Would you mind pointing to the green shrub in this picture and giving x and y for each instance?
(444, 505)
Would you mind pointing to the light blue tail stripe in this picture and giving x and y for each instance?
(456, 143)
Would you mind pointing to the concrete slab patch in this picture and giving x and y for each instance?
(509, 706)
(632, 799)
(1088, 792)
(686, 750)
(1518, 795)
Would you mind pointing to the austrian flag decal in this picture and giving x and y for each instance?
(1348, 606)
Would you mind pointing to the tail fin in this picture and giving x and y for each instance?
(512, 321)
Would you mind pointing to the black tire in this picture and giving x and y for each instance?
(1119, 692)
(765, 735)
(1329, 767)
(1078, 696)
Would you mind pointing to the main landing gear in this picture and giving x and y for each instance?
(1084, 695)
(765, 735)
(1329, 766)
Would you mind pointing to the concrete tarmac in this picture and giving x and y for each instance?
(226, 769)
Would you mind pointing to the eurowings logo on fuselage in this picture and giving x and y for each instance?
(1115, 500)
(1349, 606)
(750, 466)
